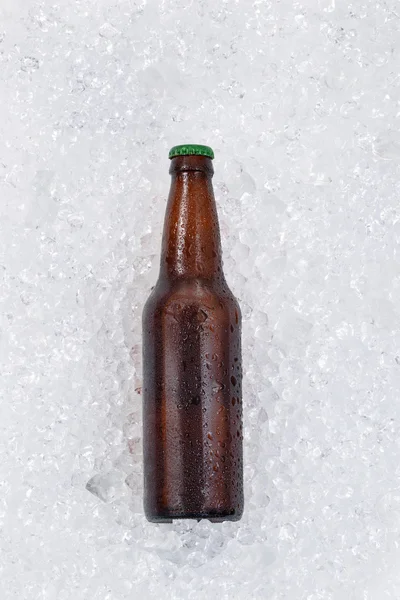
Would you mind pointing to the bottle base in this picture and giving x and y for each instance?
(212, 516)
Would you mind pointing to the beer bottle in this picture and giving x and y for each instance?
(192, 397)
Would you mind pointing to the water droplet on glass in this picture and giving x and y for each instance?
(202, 316)
(218, 387)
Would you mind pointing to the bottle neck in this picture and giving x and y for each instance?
(191, 244)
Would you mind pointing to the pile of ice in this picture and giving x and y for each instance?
(300, 103)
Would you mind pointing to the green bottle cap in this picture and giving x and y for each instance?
(190, 150)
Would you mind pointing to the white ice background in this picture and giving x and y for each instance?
(301, 103)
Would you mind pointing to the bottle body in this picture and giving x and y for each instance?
(192, 400)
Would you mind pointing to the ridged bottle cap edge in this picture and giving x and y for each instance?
(191, 150)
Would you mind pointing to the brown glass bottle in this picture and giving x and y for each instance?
(192, 397)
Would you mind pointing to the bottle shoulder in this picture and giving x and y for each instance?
(202, 294)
